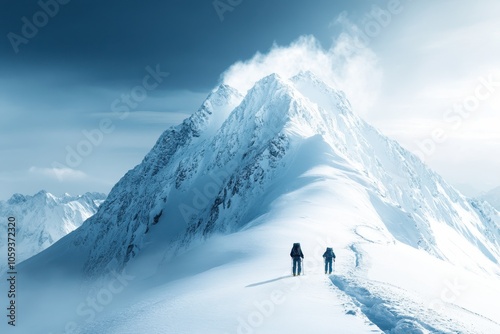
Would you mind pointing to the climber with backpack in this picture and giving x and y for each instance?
(329, 257)
(297, 256)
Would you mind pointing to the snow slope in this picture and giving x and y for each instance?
(241, 283)
(202, 228)
(43, 218)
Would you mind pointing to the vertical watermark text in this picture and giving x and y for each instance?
(11, 271)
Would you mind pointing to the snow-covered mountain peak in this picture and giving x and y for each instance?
(317, 91)
(46, 198)
(308, 77)
(194, 130)
(270, 87)
(214, 110)
(273, 98)
(223, 93)
(16, 199)
(302, 103)
(272, 110)
(41, 194)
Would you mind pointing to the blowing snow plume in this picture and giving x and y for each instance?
(348, 65)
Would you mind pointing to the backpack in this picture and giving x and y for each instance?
(295, 250)
(329, 252)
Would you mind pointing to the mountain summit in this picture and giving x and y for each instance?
(215, 205)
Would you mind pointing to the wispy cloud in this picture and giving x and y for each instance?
(62, 174)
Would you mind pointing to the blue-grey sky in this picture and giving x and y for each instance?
(67, 68)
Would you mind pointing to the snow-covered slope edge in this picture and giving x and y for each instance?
(43, 219)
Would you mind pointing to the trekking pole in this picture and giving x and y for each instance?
(292, 266)
(303, 269)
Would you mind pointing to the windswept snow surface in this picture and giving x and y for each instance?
(196, 238)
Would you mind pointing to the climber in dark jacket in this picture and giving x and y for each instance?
(297, 255)
(329, 256)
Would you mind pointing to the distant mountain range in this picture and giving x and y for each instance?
(492, 197)
(43, 218)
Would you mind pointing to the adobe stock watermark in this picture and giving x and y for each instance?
(449, 294)
(120, 108)
(97, 302)
(31, 26)
(375, 21)
(455, 116)
(223, 6)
